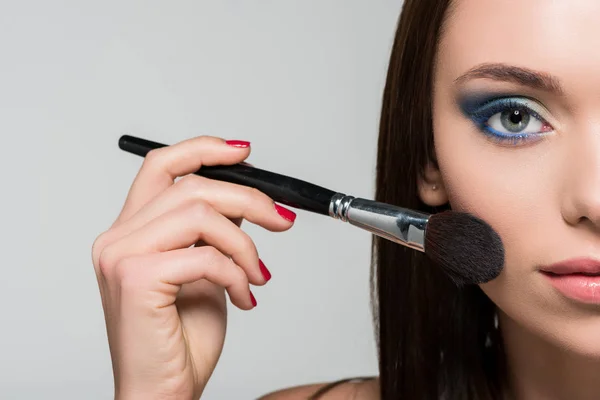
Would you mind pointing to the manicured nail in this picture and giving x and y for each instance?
(238, 143)
(253, 300)
(265, 272)
(285, 213)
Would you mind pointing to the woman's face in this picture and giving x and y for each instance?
(517, 136)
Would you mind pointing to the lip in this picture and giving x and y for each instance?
(577, 279)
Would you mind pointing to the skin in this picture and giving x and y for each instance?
(542, 197)
(164, 265)
(165, 303)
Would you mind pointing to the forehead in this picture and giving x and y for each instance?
(557, 36)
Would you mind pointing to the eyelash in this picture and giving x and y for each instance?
(488, 109)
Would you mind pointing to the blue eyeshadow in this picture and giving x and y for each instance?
(470, 103)
(480, 107)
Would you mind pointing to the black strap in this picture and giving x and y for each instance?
(332, 385)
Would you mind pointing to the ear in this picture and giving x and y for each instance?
(431, 186)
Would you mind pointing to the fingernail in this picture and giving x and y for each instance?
(285, 213)
(265, 272)
(238, 143)
(253, 300)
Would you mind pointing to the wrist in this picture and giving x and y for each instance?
(132, 394)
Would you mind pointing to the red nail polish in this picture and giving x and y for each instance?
(265, 272)
(285, 213)
(238, 143)
(253, 300)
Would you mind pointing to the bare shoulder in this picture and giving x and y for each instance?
(348, 390)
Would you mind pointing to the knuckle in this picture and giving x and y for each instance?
(211, 255)
(233, 274)
(239, 276)
(190, 183)
(246, 244)
(98, 246)
(199, 210)
(256, 195)
(108, 259)
(153, 158)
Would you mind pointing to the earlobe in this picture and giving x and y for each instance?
(431, 187)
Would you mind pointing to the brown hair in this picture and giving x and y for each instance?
(431, 334)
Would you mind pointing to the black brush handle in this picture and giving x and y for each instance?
(282, 189)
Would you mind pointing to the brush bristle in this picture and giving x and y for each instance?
(466, 247)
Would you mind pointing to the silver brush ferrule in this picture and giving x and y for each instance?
(400, 225)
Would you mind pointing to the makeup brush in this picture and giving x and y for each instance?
(466, 248)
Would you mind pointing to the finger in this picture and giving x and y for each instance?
(166, 272)
(234, 201)
(162, 166)
(183, 227)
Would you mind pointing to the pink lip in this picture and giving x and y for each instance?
(578, 279)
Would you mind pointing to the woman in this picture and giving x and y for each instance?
(490, 107)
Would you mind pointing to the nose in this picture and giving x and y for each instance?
(581, 197)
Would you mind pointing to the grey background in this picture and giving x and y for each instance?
(302, 80)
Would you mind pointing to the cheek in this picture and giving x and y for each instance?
(502, 186)
(483, 178)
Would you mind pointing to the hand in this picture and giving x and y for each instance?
(164, 265)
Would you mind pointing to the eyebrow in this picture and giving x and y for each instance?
(510, 73)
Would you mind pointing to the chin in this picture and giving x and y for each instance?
(579, 337)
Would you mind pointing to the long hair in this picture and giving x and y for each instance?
(433, 336)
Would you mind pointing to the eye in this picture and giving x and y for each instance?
(508, 119)
(517, 120)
